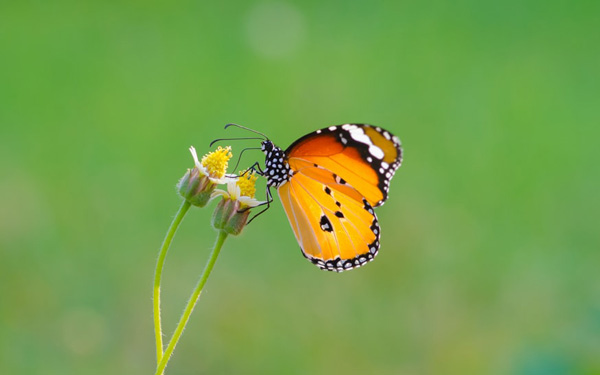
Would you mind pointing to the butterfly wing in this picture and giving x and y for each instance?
(362, 156)
(335, 226)
(329, 184)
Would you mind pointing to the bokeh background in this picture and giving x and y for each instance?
(490, 248)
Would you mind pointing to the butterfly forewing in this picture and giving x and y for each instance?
(363, 156)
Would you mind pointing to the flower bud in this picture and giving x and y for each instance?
(228, 217)
(195, 187)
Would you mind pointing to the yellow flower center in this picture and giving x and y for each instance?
(216, 162)
(247, 184)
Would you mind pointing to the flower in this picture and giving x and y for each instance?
(214, 164)
(241, 189)
(198, 183)
(232, 212)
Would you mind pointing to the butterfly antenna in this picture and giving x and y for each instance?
(231, 139)
(248, 129)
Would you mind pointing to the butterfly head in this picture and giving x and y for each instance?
(266, 146)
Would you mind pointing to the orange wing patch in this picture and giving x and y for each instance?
(349, 167)
(336, 231)
(324, 145)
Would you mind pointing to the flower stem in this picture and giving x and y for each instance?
(158, 273)
(191, 303)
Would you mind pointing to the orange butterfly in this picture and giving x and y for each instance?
(328, 182)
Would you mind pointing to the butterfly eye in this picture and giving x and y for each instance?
(266, 146)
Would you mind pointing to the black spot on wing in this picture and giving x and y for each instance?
(326, 224)
(339, 180)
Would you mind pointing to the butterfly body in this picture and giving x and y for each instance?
(329, 182)
(277, 169)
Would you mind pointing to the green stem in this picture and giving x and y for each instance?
(158, 273)
(191, 303)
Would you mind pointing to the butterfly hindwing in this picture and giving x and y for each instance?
(336, 230)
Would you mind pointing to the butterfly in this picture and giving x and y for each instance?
(329, 182)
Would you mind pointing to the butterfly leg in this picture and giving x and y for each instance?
(256, 168)
(267, 203)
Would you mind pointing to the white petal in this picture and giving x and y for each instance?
(250, 202)
(195, 156)
(218, 181)
(219, 193)
(234, 190)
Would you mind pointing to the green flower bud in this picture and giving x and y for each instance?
(228, 218)
(195, 187)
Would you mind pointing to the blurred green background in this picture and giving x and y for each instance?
(490, 247)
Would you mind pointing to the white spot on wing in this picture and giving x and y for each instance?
(376, 151)
(359, 135)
